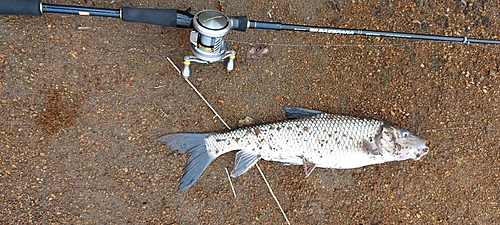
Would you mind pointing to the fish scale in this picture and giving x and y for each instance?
(310, 138)
(325, 136)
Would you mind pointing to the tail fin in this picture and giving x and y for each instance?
(198, 161)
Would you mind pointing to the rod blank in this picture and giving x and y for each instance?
(78, 10)
(315, 29)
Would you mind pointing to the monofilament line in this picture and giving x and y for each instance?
(272, 194)
(199, 94)
(459, 128)
(230, 182)
(222, 120)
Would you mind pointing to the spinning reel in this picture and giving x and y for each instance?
(207, 41)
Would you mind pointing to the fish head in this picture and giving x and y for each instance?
(401, 144)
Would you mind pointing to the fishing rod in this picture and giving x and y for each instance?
(210, 27)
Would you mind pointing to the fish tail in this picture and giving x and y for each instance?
(199, 160)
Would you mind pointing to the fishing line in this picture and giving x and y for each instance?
(486, 47)
(230, 182)
(352, 45)
(222, 120)
(210, 26)
(487, 127)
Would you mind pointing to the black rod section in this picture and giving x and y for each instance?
(315, 29)
(164, 17)
(20, 7)
(78, 10)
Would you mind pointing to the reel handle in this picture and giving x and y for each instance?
(21, 7)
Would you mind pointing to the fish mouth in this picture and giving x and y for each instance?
(421, 151)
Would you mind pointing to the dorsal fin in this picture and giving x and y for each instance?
(297, 113)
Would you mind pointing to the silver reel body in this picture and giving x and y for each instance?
(207, 42)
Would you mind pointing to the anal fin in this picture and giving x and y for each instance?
(243, 162)
(308, 167)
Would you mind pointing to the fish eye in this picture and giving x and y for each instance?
(405, 133)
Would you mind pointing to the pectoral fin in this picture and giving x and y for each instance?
(308, 167)
(369, 148)
(244, 161)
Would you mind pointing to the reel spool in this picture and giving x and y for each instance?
(207, 42)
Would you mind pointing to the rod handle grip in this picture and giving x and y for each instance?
(163, 17)
(21, 7)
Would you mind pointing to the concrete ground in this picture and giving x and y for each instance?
(84, 99)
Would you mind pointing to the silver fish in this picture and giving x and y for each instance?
(310, 138)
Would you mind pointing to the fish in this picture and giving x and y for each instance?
(312, 138)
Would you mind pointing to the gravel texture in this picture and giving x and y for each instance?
(84, 99)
